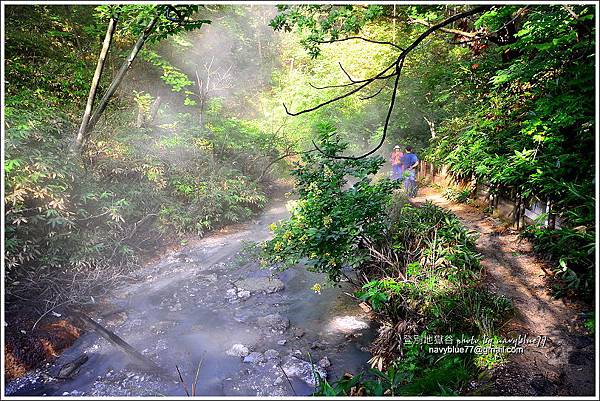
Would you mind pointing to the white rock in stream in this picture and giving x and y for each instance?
(254, 357)
(324, 362)
(238, 350)
(347, 324)
(295, 367)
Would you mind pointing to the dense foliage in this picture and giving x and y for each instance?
(429, 280)
(136, 187)
(326, 227)
(196, 134)
(532, 129)
(505, 96)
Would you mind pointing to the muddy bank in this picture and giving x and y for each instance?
(254, 331)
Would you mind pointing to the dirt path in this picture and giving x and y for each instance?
(565, 364)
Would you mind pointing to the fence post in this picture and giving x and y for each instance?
(497, 198)
(551, 216)
(516, 210)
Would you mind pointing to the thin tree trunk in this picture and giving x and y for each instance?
(201, 115)
(120, 75)
(258, 39)
(201, 96)
(94, 88)
(154, 109)
(431, 125)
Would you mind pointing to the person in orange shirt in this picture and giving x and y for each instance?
(396, 160)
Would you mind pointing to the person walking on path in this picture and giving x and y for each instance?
(396, 160)
(410, 161)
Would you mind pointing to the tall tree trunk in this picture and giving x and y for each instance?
(120, 75)
(94, 88)
(201, 115)
(154, 110)
(259, 45)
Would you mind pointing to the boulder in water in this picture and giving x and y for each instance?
(271, 354)
(305, 371)
(254, 357)
(267, 285)
(238, 350)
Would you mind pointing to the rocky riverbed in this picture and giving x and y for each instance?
(251, 331)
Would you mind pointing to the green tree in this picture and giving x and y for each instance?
(326, 227)
(150, 23)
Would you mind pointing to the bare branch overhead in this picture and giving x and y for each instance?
(379, 42)
(398, 64)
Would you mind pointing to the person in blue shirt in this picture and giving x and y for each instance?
(410, 161)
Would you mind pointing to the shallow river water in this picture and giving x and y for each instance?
(207, 304)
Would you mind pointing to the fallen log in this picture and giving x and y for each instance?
(70, 369)
(137, 357)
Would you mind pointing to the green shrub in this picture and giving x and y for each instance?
(432, 287)
(457, 194)
(434, 280)
(531, 129)
(201, 205)
(339, 210)
(573, 250)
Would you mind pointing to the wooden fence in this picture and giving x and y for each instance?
(504, 202)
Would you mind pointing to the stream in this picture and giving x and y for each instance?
(253, 331)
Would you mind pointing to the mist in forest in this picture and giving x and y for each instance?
(228, 65)
(237, 51)
(231, 59)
